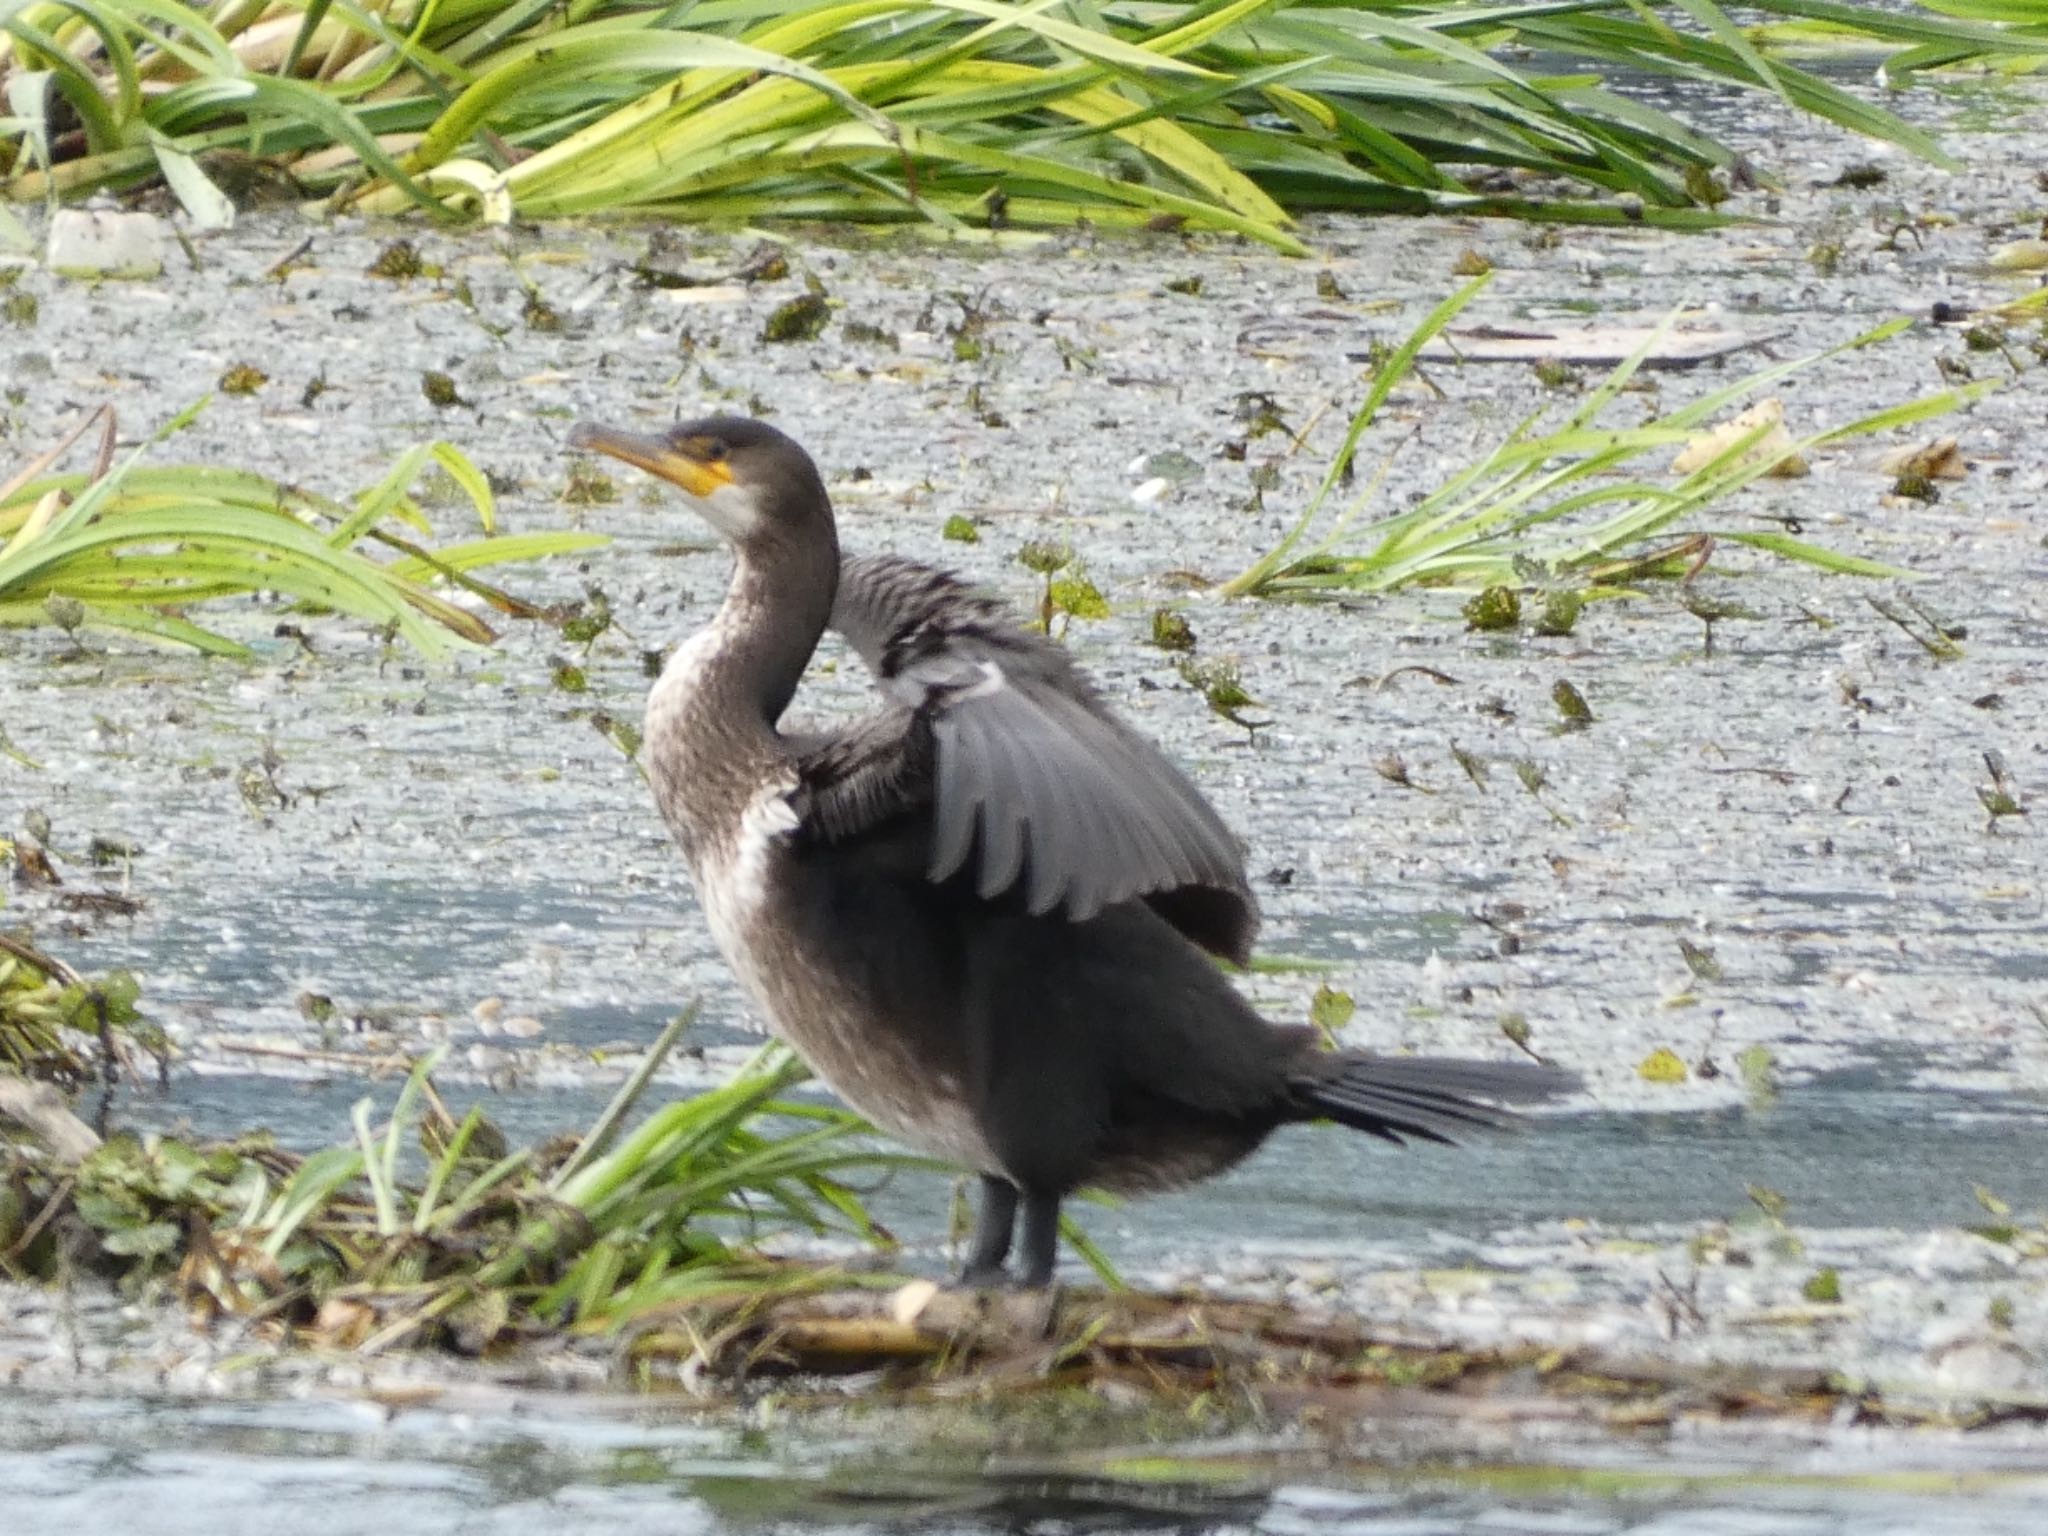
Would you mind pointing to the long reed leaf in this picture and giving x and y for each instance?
(1374, 105)
(1552, 499)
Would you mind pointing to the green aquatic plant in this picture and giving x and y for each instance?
(1559, 615)
(1821, 28)
(1711, 610)
(2001, 796)
(1171, 630)
(1566, 505)
(1221, 685)
(1572, 709)
(132, 546)
(1498, 607)
(968, 115)
(59, 1026)
(344, 1246)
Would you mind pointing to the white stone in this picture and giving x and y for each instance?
(1986, 1364)
(87, 242)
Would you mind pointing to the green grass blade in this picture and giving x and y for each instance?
(1831, 560)
(1385, 381)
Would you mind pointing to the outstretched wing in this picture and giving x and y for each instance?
(1026, 779)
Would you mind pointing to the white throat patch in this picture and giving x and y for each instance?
(733, 510)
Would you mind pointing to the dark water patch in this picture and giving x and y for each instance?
(1830, 1147)
(168, 1467)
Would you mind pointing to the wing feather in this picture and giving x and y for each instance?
(1024, 774)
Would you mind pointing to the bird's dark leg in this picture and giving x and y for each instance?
(993, 1224)
(1041, 1239)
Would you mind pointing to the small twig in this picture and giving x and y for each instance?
(49, 965)
(1315, 417)
(301, 1053)
(1441, 679)
(438, 1105)
(9, 749)
(60, 1200)
(1697, 562)
(1694, 548)
(280, 269)
(36, 466)
(404, 1327)
(1682, 1305)
(1948, 629)
(599, 1136)
(1775, 775)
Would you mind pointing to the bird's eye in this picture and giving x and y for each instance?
(715, 450)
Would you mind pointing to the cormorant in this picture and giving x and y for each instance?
(985, 913)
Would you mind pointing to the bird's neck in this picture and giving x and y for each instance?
(712, 741)
(775, 610)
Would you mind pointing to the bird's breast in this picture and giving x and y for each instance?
(814, 993)
(736, 870)
(718, 786)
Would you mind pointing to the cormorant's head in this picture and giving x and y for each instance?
(744, 478)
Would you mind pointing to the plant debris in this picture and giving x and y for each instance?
(338, 1249)
(803, 318)
(59, 1026)
(1222, 689)
(400, 262)
(1755, 435)
(1559, 614)
(922, 1342)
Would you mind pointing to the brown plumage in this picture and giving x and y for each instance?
(985, 913)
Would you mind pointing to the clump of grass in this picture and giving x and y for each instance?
(589, 486)
(1221, 686)
(1565, 507)
(341, 1247)
(131, 546)
(972, 116)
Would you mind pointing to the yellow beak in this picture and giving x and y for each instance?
(657, 455)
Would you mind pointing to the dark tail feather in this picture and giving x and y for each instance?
(1432, 1098)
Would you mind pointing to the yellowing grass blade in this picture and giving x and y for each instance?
(135, 539)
